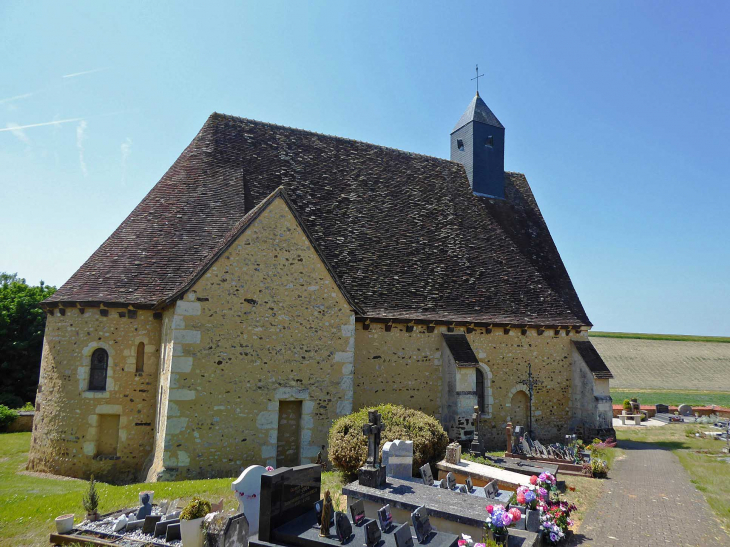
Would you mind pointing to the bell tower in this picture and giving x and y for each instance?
(477, 142)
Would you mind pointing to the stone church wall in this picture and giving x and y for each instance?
(68, 433)
(405, 368)
(265, 324)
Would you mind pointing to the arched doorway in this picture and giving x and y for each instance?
(519, 409)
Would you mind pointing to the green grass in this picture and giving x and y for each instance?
(668, 397)
(672, 337)
(700, 457)
(29, 504)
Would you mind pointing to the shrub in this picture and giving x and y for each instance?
(196, 509)
(599, 467)
(27, 407)
(7, 417)
(627, 405)
(348, 446)
(91, 498)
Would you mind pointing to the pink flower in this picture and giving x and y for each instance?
(521, 499)
(269, 468)
(533, 479)
(461, 542)
(516, 514)
(490, 508)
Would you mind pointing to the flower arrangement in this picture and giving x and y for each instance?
(546, 480)
(527, 497)
(599, 468)
(555, 520)
(499, 518)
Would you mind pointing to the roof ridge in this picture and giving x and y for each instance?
(336, 137)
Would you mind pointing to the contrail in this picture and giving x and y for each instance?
(23, 96)
(40, 124)
(85, 72)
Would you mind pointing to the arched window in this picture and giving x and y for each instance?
(480, 390)
(140, 357)
(99, 364)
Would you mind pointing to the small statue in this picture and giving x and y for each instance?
(146, 509)
(319, 461)
(327, 512)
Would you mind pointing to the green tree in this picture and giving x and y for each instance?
(22, 322)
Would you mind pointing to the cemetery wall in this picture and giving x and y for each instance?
(66, 426)
(265, 323)
(405, 368)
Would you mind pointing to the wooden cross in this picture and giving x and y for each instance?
(530, 382)
(477, 79)
(373, 431)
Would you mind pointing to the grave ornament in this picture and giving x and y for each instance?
(421, 524)
(450, 481)
(475, 447)
(385, 518)
(427, 475)
(248, 493)
(327, 515)
(469, 484)
(372, 533)
(146, 508)
(357, 510)
(403, 536)
(372, 473)
(343, 528)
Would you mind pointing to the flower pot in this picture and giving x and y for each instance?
(500, 537)
(532, 520)
(191, 532)
(92, 517)
(64, 524)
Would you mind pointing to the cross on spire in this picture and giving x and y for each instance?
(477, 78)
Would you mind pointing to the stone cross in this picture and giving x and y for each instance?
(530, 383)
(509, 436)
(475, 448)
(373, 431)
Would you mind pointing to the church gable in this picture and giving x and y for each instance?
(266, 329)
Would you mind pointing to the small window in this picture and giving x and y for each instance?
(460, 144)
(490, 141)
(140, 357)
(99, 364)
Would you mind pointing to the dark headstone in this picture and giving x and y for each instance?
(426, 475)
(146, 508)
(463, 489)
(450, 481)
(149, 523)
(134, 525)
(372, 533)
(287, 493)
(161, 527)
(372, 473)
(403, 536)
(357, 510)
(421, 524)
(662, 409)
(235, 534)
(443, 483)
(173, 532)
(469, 484)
(385, 518)
(372, 476)
(343, 528)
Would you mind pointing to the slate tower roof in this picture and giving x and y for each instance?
(403, 232)
(477, 111)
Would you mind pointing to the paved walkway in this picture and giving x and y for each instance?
(649, 501)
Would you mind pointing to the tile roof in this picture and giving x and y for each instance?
(403, 232)
(460, 349)
(593, 359)
(477, 111)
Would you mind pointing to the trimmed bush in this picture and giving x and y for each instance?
(348, 446)
(7, 417)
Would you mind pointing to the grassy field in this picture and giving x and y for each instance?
(30, 503)
(670, 337)
(653, 397)
(700, 457)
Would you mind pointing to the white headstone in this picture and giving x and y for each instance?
(120, 523)
(398, 459)
(248, 493)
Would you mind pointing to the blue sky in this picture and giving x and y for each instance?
(617, 113)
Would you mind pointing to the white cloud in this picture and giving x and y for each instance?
(80, 138)
(17, 131)
(126, 151)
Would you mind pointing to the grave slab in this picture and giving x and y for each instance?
(482, 474)
(398, 459)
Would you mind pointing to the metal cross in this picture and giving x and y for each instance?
(373, 431)
(477, 79)
(530, 382)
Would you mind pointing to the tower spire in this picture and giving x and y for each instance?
(477, 79)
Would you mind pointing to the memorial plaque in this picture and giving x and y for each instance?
(421, 524)
(403, 536)
(161, 527)
(469, 484)
(443, 484)
(287, 493)
(463, 489)
(372, 533)
(173, 532)
(343, 528)
(426, 475)
(357, 510)
(450, 481)
(149, 524)
(385, 518)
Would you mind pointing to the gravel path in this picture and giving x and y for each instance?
(650, 501)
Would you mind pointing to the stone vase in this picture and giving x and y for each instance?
(501, 537)
(64, 523)
(532, 520)
(92, 517)
(191, 532)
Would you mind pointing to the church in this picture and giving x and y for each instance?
(276, 279)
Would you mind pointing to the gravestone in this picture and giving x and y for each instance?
(443, 483)
(403, 536)
(161, 527)
(526, 447)
(372, 473)
(398, 459)
(685, 410)
(357, 510)
(469, 484)
(662, 409)
(120, 523)
(453, 453)
(149, 523)
(450, 481)
(235, 533)
(173, 532)
(134, 525)
(427, 475)
(343, 528)
(463, 489)
(287, 493)
(385, 518)
(421, 524)
(248, 494)
(372, 533)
